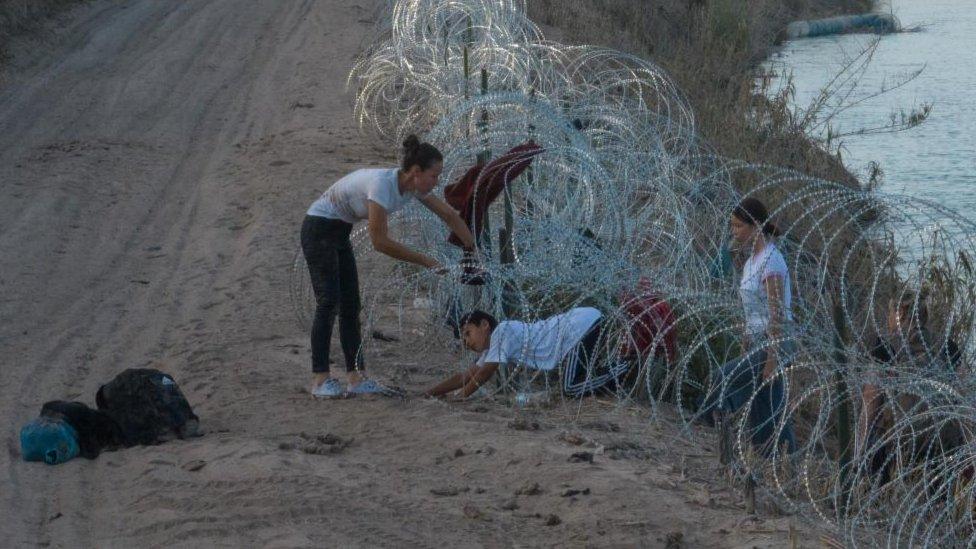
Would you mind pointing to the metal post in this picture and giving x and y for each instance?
(843, 425)
(484, 239)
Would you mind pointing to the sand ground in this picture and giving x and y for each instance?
(156, 159)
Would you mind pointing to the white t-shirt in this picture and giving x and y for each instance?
(541, 345)
(769, 262)
(347, 198)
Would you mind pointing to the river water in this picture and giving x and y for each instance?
(936, 160)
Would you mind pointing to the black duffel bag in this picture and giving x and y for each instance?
(148, 407)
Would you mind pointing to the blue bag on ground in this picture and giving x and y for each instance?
(49, 440)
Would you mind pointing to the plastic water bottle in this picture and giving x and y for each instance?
(531, 398)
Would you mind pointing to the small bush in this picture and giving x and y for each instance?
(20, 16)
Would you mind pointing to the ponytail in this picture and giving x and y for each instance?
(420, 154)
(752, 211)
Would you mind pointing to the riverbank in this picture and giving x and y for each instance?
(156, 164)
(712, 49)
(933, 160)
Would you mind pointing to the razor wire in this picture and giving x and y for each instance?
(625, 190)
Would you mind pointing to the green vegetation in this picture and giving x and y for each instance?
(712, 48)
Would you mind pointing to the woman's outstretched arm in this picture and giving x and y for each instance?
(379, 236)
(450, 218)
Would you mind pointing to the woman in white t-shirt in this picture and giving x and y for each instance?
(766, 295)
(363, 195)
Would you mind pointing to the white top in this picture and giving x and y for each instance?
(347, 198)
(540, 345)
(767, 263)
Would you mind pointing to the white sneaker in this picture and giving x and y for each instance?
(331, 388)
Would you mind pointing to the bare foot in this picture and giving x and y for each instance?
(353, 378)
(318, 379)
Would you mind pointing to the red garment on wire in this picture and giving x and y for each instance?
(480, 186)
(648, 317)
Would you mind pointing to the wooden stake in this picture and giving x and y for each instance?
(724, 439)
(750, 494)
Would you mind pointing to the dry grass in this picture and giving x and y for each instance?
(20, 16)
(712, 48)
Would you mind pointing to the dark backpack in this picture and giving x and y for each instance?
(95, 429)
(148, 407)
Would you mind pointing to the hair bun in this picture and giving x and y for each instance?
(411, 143)
(417, 153)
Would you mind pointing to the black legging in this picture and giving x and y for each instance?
(335, 281)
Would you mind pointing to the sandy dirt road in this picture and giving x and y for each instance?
(156, 159)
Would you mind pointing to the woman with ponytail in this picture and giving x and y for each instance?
(371, 195)
(767, 343)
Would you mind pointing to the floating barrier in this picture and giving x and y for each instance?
(880, 23)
